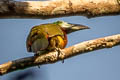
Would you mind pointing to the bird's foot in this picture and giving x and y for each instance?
(39, 66)
(37, 54)
(60, 52)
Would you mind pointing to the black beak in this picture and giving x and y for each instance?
(79, 26)
(76, 27)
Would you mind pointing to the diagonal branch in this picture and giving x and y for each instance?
(52, 57)
(58, 8)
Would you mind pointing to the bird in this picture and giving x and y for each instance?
(48, 37)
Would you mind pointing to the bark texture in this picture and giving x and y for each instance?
(52, 57)
(58, 8)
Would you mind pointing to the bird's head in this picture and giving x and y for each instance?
(70, 27)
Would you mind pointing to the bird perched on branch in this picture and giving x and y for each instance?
(49, 37)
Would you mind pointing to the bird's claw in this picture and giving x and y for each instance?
(59, 52)
(39, 66)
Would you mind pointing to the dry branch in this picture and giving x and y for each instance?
(58, 8)
(83, 47)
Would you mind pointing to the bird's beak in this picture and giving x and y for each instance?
(79, 27)
(76, 27)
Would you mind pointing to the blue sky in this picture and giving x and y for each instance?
(97, 65)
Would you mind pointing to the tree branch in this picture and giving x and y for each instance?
(83, 47)
(58, 8)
